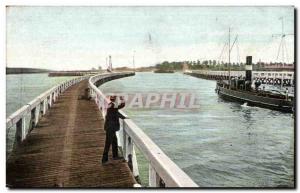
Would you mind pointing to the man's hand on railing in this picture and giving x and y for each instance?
(121, 116)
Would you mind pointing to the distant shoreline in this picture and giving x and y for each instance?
(26, 70)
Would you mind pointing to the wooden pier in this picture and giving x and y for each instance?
(65, 149)
(59, 140)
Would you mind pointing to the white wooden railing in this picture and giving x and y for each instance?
(162, 170)
(21, 122)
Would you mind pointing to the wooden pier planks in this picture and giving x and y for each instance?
(65, 149)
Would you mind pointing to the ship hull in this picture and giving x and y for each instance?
(255, 100)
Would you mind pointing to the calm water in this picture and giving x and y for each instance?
(221, 144)
(22, 88)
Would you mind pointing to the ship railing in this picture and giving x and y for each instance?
(20, 123)
(163, 172)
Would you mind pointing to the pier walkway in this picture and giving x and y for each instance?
(65, 148)
(57, 140)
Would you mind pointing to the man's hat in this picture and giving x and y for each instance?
(112, 97)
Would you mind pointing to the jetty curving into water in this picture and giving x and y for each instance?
(59, 139)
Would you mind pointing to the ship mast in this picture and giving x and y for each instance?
(282, 45)
(230, 47)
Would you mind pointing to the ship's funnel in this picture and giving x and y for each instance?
(248, 68)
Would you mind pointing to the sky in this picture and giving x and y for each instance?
(80, 38)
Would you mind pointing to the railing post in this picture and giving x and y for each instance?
(33, 119)
(37, 115)
(129, 150)
(56, 94)
(97, 102)
(20, 131)
(135, 167)
(154, 179)
(44, 106)
(124, 141)
(41, 113)
(53, 97)
(49, 101)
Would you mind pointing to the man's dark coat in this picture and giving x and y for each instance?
(112, 117)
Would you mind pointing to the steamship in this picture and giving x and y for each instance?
(240, 90)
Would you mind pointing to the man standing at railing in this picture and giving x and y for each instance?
(112, 125)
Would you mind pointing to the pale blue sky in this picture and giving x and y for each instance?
(82, 37)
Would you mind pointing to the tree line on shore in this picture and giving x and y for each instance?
(212, 65)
